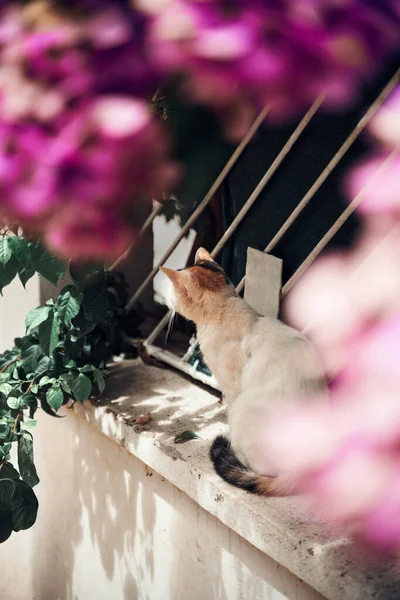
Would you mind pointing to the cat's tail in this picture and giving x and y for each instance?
(229, 467)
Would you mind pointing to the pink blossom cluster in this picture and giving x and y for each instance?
(347, 453)
(242, 54)
(79, 145)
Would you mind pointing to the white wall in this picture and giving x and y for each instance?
(109, 529)
(164, 234)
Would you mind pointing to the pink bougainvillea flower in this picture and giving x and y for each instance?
(342, 296)
(351, 304)
(381, 194)
(93, 234)
(77, 136)
(385, 126)
(381, 527)
(283, 53)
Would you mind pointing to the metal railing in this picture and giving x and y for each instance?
(182, 363)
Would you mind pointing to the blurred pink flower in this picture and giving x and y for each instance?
(77, 136)
(377, 178)
(91, 234)
(385, 126)
(382, 194)
(343, 295)
(283, 53)
(346, 454)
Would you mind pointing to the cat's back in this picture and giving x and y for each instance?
(274, 335)
(279, 354)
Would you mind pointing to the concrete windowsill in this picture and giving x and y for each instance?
(279, 527)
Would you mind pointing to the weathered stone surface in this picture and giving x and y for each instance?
(281, 528)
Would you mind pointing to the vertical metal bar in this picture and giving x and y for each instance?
(197, 212)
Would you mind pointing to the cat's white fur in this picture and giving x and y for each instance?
(259, 362)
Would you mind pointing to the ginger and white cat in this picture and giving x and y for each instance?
(259, 362)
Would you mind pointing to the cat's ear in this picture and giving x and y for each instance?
(202, 255)
(175, 276)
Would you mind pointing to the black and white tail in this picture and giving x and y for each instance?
(229, 467)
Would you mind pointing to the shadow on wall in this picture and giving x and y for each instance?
(111, 529)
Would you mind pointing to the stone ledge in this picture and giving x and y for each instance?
(279, 527)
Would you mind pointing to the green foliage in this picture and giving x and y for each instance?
(61, 357)
(25, 458)
(24, 258)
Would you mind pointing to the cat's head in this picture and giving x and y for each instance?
(199, 292)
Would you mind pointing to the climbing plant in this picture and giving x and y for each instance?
(60, 358)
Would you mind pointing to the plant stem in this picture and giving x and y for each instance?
(9, 364)
(30, 386)
(17, 421)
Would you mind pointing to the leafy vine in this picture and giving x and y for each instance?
(61, 357)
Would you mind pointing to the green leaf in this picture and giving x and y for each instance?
(48, 333)
(87, 369)
(5, 388)
(5, 431)
(28, 424)
(43, 366)
(20, 499)
(66, 381)
(68, 304)
(7, 272)
(25, 274)
(25, 399)
(25, 459)
(81, 387)
(99, 379)
(5, 250)
(13, 402)
(6, 523)
(46, 380)
(46, 265)
(7, 471)
(95, 302)
(74, 349)
(5, 451)
(19, 248)
(55, 397)
(36, 316)
(33, 404)
(185, 436)
(70, 364)
(30, 357)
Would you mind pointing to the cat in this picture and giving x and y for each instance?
(259, 363)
